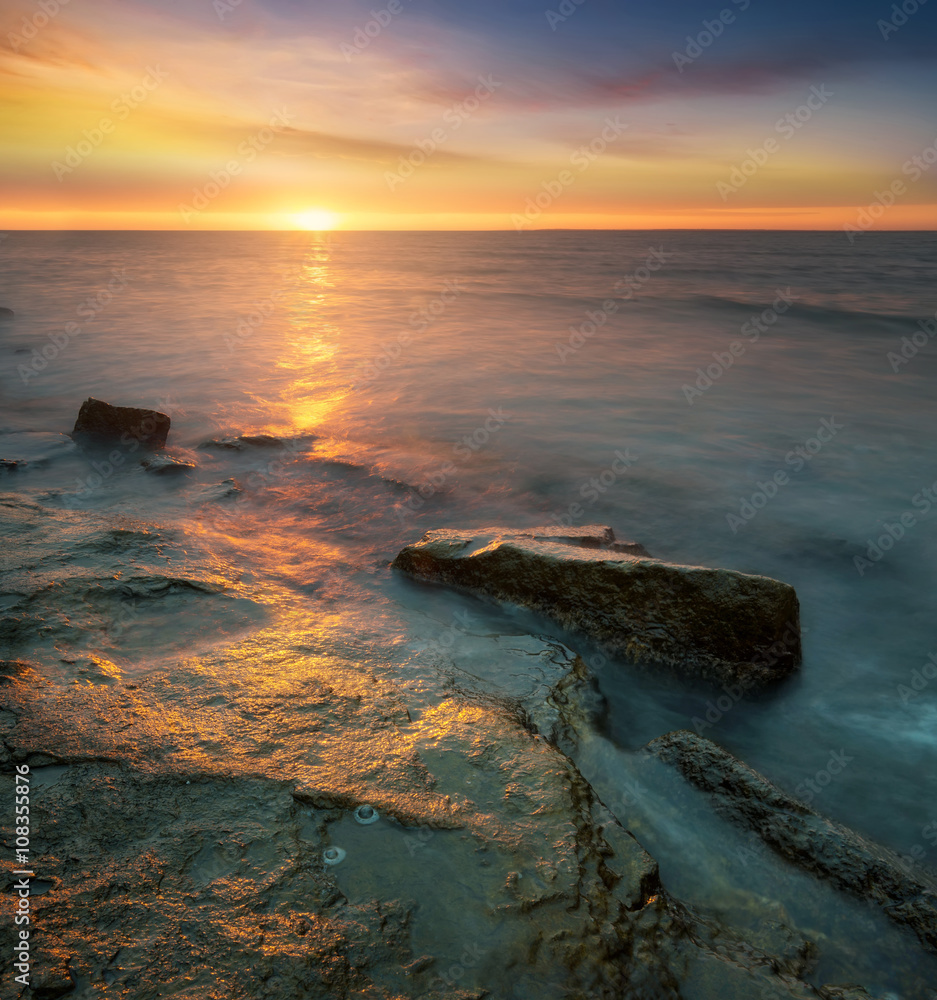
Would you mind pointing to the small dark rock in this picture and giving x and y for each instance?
(100, 420)
(163, 465)
(261, 440)
(242, 441)
(6, 313)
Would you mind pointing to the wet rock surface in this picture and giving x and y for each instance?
(907, 895)
(242, 442)
(183, 804)
(185, 861)
(101, 422)
(713, 622)
(78, 580)
(163, 465)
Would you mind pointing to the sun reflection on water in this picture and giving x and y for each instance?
(312, 343)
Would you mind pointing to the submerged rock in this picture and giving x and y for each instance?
(820, 846)
(128, 424)
(6, 313)
(243, 441)
(91, 579)
(33, 449)
(162, 465)
(714, 622)
(219, 491)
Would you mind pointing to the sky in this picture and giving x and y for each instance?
(448, 114)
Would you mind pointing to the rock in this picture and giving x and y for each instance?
(294, 444)
(219, 491)
(261, 440)
(100, 420)
(717, 623)
(245, 440)
(90, 579)
(6, 313)
(52, 983)
(33, 448)
(194, 865)
(162, 464)
(788, 826)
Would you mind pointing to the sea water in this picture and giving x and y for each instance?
(758, 401)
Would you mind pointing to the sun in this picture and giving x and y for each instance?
(316, 219)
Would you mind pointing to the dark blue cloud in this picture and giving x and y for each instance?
(640, 29)
(626, 50)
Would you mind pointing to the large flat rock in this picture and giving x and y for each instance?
(717, 623)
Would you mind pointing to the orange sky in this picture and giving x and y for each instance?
(130, 116)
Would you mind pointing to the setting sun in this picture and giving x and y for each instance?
(316, 219)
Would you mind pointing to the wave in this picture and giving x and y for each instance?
(827, 315)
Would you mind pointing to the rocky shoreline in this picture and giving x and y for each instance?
(205, 819)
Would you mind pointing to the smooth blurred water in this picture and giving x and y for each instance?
(394, 348)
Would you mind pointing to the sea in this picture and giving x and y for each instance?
(760, 401)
